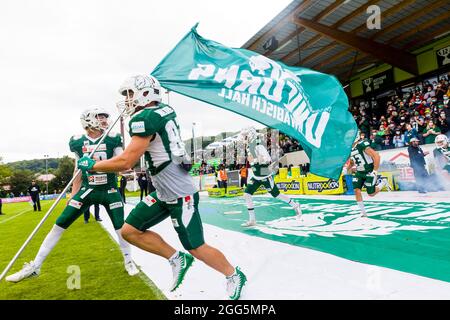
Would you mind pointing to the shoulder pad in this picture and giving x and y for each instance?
(76, 137)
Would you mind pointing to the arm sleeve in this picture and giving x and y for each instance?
(143, 126)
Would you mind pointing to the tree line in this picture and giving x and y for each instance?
(18, 175)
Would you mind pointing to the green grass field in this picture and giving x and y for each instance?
(87, 246)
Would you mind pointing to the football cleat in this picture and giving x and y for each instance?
(384, 183)
(29, 270)
(235, 283)
(250, 223)
(131, 268)
(180, 265)
(298, 209)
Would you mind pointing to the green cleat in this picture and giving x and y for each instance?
(180, 266)
(235, 283)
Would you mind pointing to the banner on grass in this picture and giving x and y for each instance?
(307, 105)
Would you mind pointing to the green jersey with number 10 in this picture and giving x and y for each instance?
(82, 146)
(363, 162)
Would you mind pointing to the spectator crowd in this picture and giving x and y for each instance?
(422, 112)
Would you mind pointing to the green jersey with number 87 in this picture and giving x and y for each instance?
(166, 144)
(83, 145)
(363, 162)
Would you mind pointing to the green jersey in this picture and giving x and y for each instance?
(166, 144)
(363, 162)
(442, 157)
(83, 145)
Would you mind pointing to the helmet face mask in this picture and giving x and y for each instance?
(95, 119)
(441, 141)
(139, 91)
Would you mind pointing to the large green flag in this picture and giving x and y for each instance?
(307, 105)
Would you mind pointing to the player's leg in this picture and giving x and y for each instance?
(187, 222)
(86, 215)
(146, 214)
(248, 192)
(38, 203)
(112, 201)
(270, 185)
(33, 198)
(97, 211)
(358, 181)
(372, 189)
(71, 212)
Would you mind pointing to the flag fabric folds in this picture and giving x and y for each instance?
(307, 105)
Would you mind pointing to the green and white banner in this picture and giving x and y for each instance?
(407, 236)
(307, 105)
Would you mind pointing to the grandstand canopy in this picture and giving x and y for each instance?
(332, 37)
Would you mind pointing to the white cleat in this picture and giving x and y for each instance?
(29, 270)
(298, 210)
(131, 268)
(364, 215)
(250, 223)
(384, 183)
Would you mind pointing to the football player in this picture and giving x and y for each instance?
(366, 161)
(263, 169)
(88, 188)
(442, 155)
(155, 132)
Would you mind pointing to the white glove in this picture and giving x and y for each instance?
(373, 174)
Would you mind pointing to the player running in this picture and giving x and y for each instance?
(263, 168)
(87, 189)
(155, 132)
(442, 155)
(367, 162)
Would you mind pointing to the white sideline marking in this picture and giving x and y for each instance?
(232, 212)
(19, 214)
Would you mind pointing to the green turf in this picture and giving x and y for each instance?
(87, 246)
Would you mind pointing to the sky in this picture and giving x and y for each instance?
(58, 58)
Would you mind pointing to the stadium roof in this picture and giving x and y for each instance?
(332, 36)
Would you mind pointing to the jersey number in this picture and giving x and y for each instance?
(357, 158)
(176, 144)
(98, 156)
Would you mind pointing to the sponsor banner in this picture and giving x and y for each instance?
(220, 192)
(51, 196)
(378, 81)
(16, 199)
(443, 56)
(233, 178)
(314, 184)
(216, 192)
(307, 105)
(289, 185)
(28, 198)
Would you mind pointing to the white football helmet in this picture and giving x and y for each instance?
(441, 141)
(139, 91)
(91, 119)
